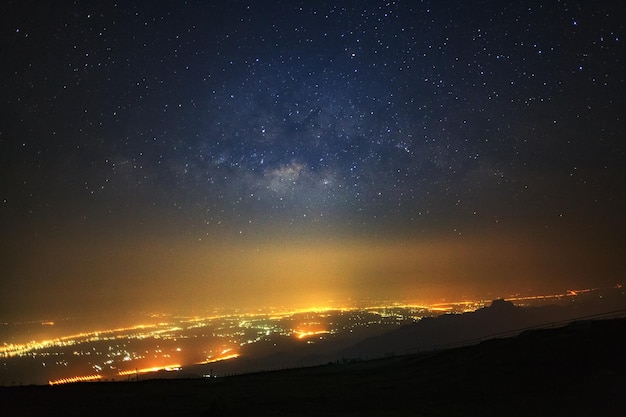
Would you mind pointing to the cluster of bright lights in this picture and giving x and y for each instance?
(11, 350)
(235, 331)
(164, 329)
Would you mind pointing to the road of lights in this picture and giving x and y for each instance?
(71, 380)
(219, 359)
(305, 334)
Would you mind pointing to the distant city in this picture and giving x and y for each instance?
(167, 346)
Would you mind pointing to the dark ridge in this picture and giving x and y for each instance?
(574, 370)
(501, 318)
(501, 305)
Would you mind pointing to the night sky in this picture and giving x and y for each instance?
(177, 156)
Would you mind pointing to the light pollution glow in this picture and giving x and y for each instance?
(100, 276)
(122, 352)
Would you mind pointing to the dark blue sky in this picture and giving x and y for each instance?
(311, 120)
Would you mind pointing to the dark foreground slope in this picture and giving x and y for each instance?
(578, 370)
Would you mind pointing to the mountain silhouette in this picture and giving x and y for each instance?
(501, 318)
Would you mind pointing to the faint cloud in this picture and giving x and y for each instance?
(285, 177)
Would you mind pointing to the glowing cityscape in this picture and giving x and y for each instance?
(171, 346)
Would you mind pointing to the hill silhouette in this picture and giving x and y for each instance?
(574, 370)
(501, 317)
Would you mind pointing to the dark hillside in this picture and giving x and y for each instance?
(452, 330)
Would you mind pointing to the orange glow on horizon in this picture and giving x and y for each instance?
(303, 330)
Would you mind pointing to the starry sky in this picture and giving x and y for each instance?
(184, 155)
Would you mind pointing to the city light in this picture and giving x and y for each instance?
(71, 380)
(176, 342)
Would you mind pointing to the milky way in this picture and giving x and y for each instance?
(224, 120)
